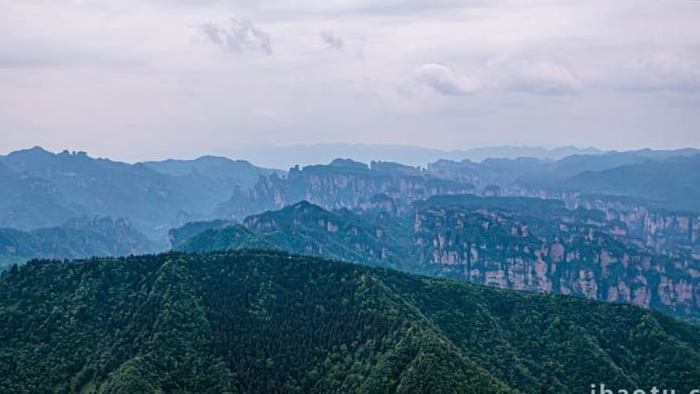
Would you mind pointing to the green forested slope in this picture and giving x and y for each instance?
(76, 238)
(270, 322)
(515, 243)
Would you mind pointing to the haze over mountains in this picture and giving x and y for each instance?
(600, 211)
(77, 238)
(45, 189)
(612, 240)
(350, 196)
(289, 156)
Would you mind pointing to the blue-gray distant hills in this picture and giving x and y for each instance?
(655, 195)
(288, 156)
(77, 238)
(43, 189)
(257, 295)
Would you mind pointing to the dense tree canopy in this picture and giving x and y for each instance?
(271, 322)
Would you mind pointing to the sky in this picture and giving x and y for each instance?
(149, 79)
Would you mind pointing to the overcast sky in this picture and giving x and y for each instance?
(142, 79)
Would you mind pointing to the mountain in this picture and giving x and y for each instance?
(491, 174)
(77, 238)
(342, 183)
(515, 243)
(46, 189)
(656, 199)
(268, 322)
(580, 163)
(100, 187)
(275, 156)
(537, 152)
(509, 174)
(672, 184)
(227, 172)
(43, 189)
(660, 182)
(301, 228)
(29, 202)
(178, 236)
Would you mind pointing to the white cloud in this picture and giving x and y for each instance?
(519, 75)
(332, 40)
(444, 80)
(535, 77)
(238, 36)
(492, 68)
(674, 70)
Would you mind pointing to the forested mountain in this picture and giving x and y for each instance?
(622, 227)
(267, 322)
(77, 238)
(518, 243)
(44, 189)
(579, 163)
(348, 184)
(178, 236)
(639, 200)
(300, 228)
(226, 172)
(510, 175)
(28, 202)
(672, 184)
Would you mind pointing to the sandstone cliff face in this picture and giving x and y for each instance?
(495, 249)
(341, 185)
(663, 231)
(529, 244)
(674, 233)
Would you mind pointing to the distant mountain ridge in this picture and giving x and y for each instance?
(77, 238)
(43, 189)
(47, 189)
(246, 301)
(230, 172)
(529, 170)
(275, 156)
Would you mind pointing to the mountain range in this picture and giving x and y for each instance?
(276, 156)
(535, 274)
(260, 322)
(46, 190)
(77, 238)
(507, 242)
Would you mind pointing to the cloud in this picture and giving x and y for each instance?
(428, 71)
(409, 7)
(444, 80)
(520, 75)
(671, 70)
(535, 77)
(239, 36)
(332, 40)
